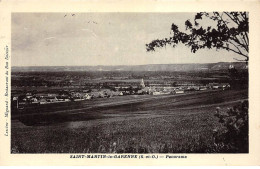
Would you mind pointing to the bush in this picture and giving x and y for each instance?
(234, 137)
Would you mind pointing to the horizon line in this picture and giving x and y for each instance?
(125, 65)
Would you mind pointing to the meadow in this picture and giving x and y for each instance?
(176, 124)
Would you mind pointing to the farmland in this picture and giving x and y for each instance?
(136, 124)
(143, 111)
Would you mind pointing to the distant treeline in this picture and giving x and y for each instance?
(152, 67)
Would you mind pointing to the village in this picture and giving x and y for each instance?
(104, 91)
(122, 82)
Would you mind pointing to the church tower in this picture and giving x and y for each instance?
(142, 83)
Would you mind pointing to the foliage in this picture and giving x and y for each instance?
(230, 33)
(234, 138)
(238, 79)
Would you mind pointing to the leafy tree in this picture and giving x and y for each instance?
(230, 33)
(234, 136)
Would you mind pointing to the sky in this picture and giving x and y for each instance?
(79, 39)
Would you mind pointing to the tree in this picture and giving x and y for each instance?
(230, 33)
(234, 137)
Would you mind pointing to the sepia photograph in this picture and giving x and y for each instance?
(113, 82)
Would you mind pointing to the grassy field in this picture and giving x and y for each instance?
(176, 124)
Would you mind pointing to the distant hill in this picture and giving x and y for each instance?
(152, 67)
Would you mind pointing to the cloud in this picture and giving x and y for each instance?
(117, 39)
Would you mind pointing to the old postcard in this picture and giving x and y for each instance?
(129, 83)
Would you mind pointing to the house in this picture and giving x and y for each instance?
(107, 92)
(28, 96)
(126, 92)
(118, 93)
(156, 93)
(63, 98)
(161, 92)
(97, 95)
(203, 88)
(213, 85)
(146, 90)
(152, 90)
(15, 98)
(196, 88)
(78, 99)
(139, 92)
(76, 94)
(34, 100)
(43, 101)
(87, 96)
(179, 91)
(224, 85)
(51, 99)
